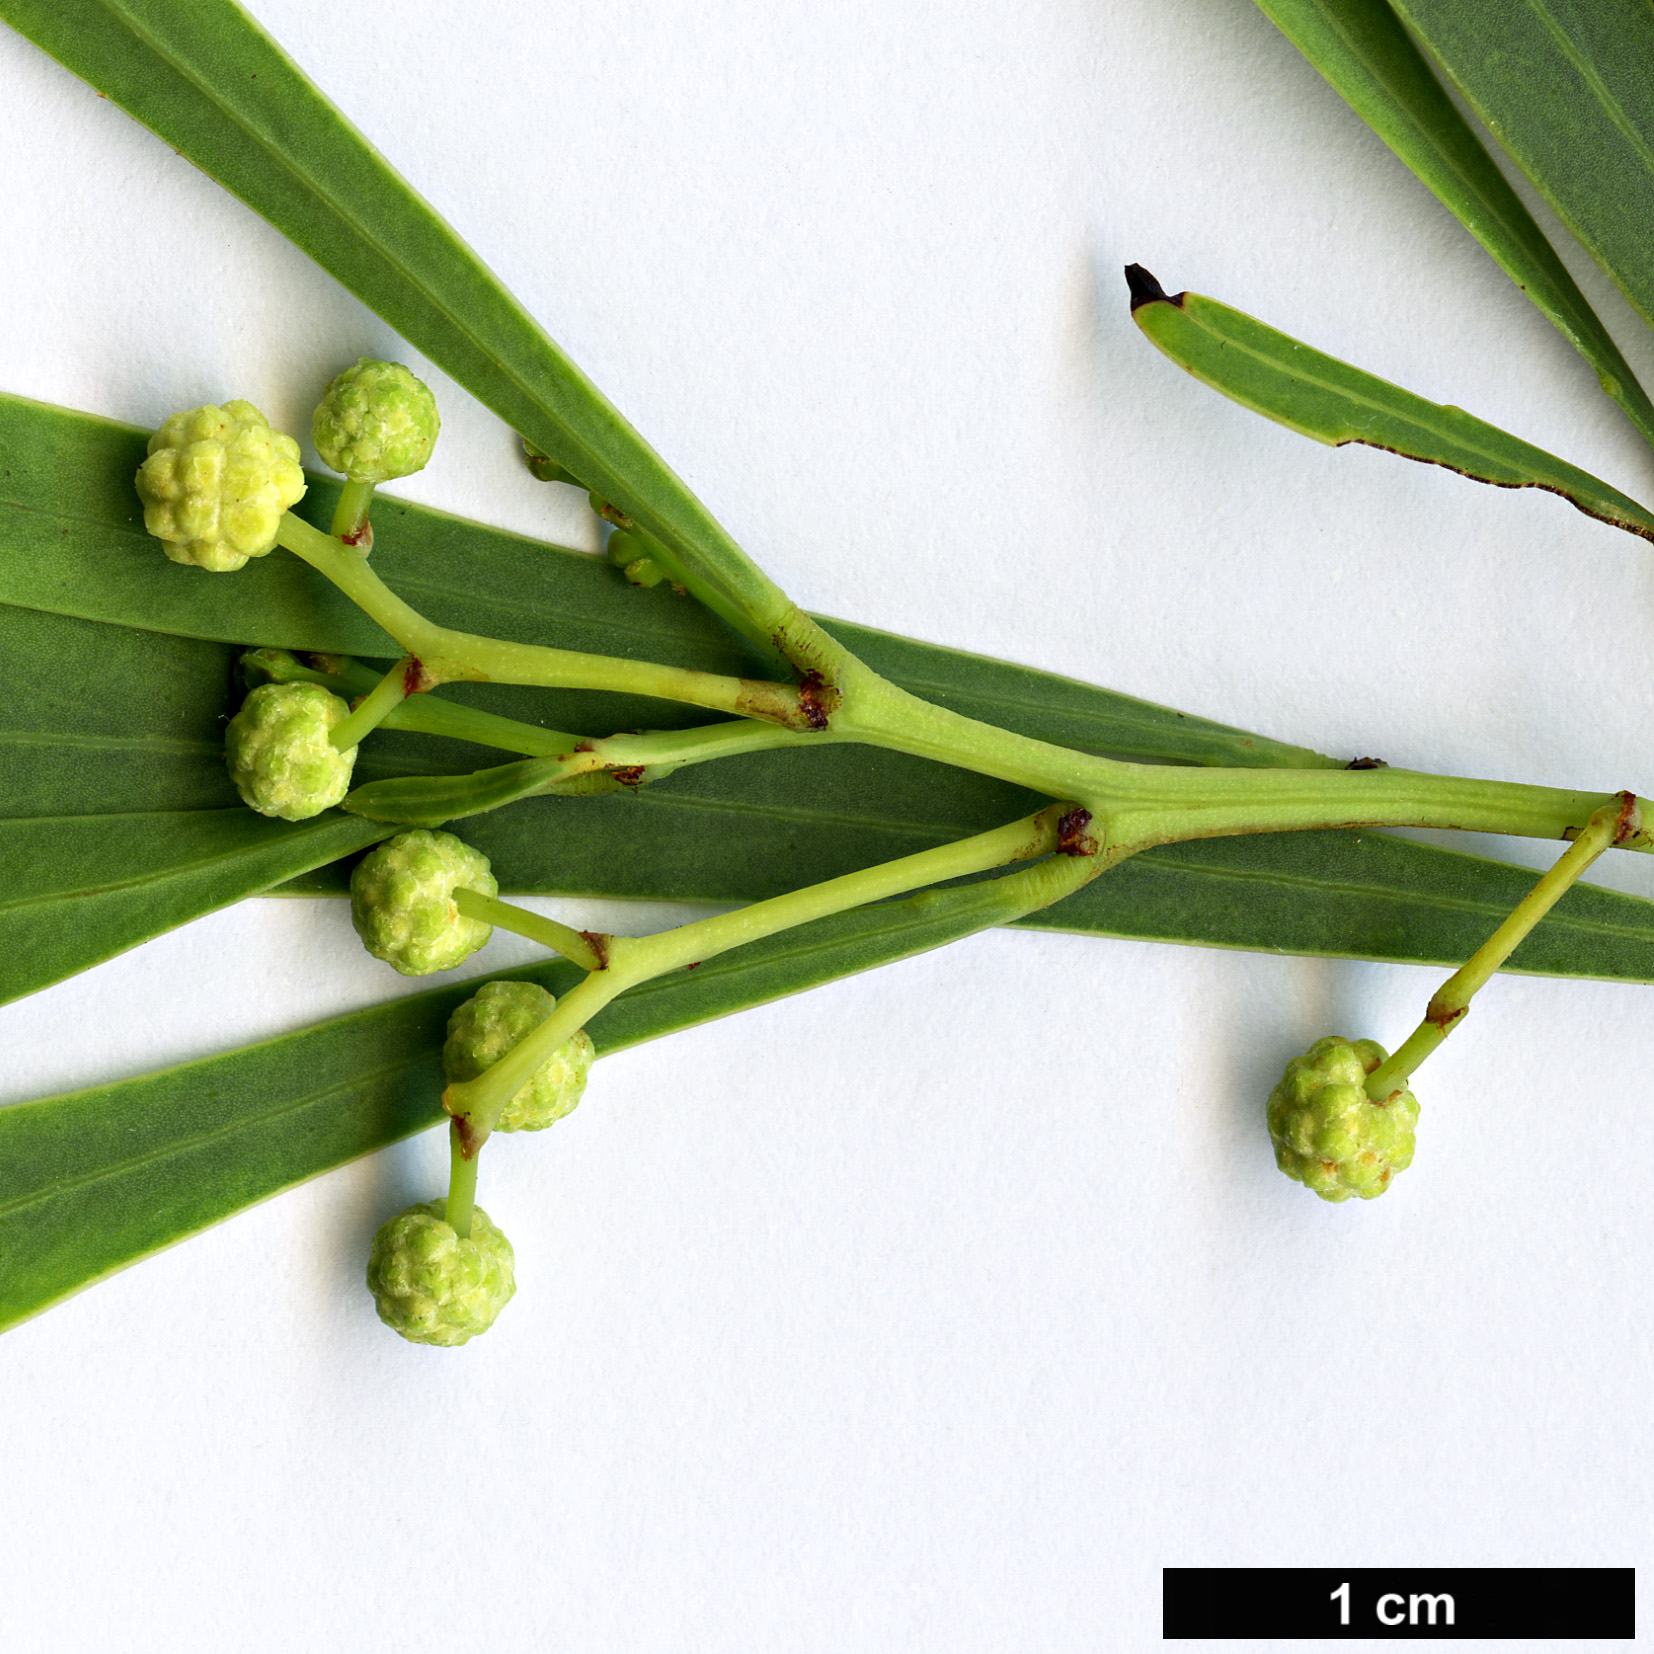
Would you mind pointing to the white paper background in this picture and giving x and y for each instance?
(941, 1308)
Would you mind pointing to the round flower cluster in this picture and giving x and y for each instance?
(402, 901)
(216, 483)
(433, 1287)
(1328, 1134)
(376, 422)
(492, 1022)
(280, 752)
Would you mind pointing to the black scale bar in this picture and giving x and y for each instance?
(1334, 1603)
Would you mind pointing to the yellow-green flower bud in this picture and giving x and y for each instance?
(216, 483)
(489, 1024)
(433, 1287)
(1328, 1134)
(402, 902)
(280, 754)
(376, 422)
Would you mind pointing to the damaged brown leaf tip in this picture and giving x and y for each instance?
(1146, 290)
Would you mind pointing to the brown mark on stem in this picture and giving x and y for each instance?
(1072, 837)
(1443, 1016)
(599, 944)
(1629, 823)
(1146, 290)
(415, 679)
(816, 698)
(1367, 764)
(465, 1133)
(628, 775)
(360, 538)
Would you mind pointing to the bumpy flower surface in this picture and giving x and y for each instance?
(402, 904)
(1328, 1134)
(279, 753)
(376, 422)
(433, 1287)
(494, 1020)
(216, 483)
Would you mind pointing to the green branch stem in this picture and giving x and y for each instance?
(1140, 804)
(477, 1104)
(462, 1184)
(422, 715)
(447, 655)
(1143, 805)
(579, 947)
(621, 763)
(350, 515)
(1607, 826)
(374, 707)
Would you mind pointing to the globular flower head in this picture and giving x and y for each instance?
(216, 483)
(280, 754)
(376, 422)
(402, 903)
(1328, 1134)
(494, 1020)
(433, 1287)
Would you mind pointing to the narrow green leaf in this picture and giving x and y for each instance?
(80, 889)
(1324, 398)
(1369, 58)
(1567, 87)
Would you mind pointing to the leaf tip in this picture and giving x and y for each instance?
(1146, 290)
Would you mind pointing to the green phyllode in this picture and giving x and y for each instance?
(431, 1286)
(216, 483)
(376, 422)
(402, 901)
(1328, 1134)
(489, 1024)
(280, 754)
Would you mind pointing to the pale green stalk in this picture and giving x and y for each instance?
(446, 655)
(574, 945)
(374, 707)
(423, 714)
(350, 515)
(477, 1104)
(1607, 826)
(462, 1184)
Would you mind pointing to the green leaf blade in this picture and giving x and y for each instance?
(1367, 56)
(1568, 89)
(81, 889)
(1333, 402)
